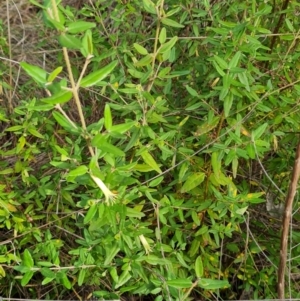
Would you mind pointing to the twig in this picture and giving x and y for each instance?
(285, 223)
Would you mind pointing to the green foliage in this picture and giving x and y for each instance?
(146, 189)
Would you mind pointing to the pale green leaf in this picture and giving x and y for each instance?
(162, 35)
(172, 23)
(54, 74)
(107, 117)
(199, 267)
(216, 163)
(59, 98)
(122, 127)
(79, 171)
(148, 159)
(168, 45)
(210, 284)
(140, 49)
(149, 6)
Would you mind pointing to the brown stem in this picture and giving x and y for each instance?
(286, 222)
(276, 29)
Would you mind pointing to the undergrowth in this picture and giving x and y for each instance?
(138, 155)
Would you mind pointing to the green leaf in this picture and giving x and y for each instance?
(192, 91)
(63, 121)
(251, 151)
(111, 252)
(87, 44)
(47, 280)
(97, 76)
(21, 268)
(199, 267)
(241, 211)
(154, 260)
(107, 117)
(100, 142)
(36, 73)
(167, 46)
(54, 74)
(235, 60)
(90, 214)
(180, 283)
(259, 131)
(210, 284)
(163, 72)
(221, 62)
(148, 159)
(182, 261)
(235, 163)
(124, 277)
(130, 212)
(143, 168)
(35, 133)
(62, 96)
(65, 281)
(14, 128)
(216, 163)
(140, 49)
(7, 171)
(172, 23)
(289, 25)
(218, 68)
(146, 60)
(244, 80)
(228, 104)
(69, 41)
(46, 272)
(81, 276)
(162, 35)
(26, 278)
(45, 264)
(156, 182)
(122, 127)
(43, 108)
(79, 171)
(27, 259)
(193, 181)
(79, 26)
(149, 6)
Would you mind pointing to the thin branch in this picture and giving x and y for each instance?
(285, 223)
